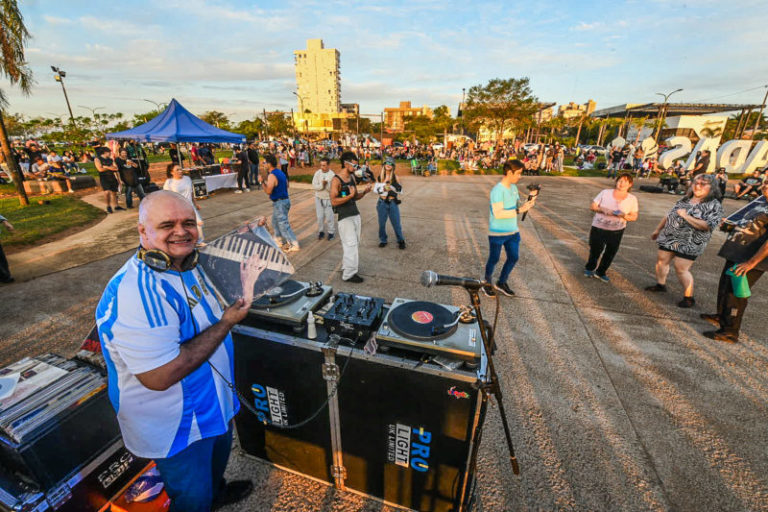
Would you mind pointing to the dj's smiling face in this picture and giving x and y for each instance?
(169, 224)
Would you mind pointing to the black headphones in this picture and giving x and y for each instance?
(160, 261)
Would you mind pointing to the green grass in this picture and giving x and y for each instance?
(302, 178)
(38, 221)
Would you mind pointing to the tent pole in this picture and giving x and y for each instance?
(178, 155)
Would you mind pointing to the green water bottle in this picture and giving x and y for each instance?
(740, 284)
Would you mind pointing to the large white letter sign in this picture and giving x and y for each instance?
(680, 146)
(757, 158)
(711, 145)
(726, 157)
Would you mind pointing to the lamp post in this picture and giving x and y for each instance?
(760, 114)
(93, 110)
(301, 110)
(663, 112)
(59, 75)
(156, 104)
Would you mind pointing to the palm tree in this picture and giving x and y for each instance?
(13, 35)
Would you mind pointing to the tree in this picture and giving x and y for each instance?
(279, 123)
(442, 120)
(13, 36)
(500, 105)
(252, 128)
(217, 119)
(139, 119)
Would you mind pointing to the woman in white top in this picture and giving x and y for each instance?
(613, 208)
(182, 185)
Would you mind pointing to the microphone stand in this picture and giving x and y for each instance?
(491, 387)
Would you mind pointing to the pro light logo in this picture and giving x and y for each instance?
(409, 447)
(268, 400)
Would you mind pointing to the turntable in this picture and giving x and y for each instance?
(431, 328)
(290, 303)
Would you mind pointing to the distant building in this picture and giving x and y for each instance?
(572, 109)
(544, 115)
(318, 78)
(327, 123)
(395, 118)
(692, 127)
(350, 108)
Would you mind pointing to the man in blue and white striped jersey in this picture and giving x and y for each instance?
(169, 356)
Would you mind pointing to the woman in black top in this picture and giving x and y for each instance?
(387, 187)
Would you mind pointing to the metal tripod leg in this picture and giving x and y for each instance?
(492, 386)
(331, 376)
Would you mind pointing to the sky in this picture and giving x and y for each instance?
(237, 56)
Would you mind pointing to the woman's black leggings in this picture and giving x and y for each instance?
(605, 242)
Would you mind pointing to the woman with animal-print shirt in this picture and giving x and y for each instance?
(684, 234)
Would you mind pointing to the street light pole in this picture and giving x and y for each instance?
(760, 114)
(663, 112)
(59, 77)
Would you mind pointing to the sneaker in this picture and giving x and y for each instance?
(109, 209)
(238, 191)
(232, 492)
(292, 248)
(505, 289)
(247, 190)
(70, 191)
(589, 273)
(320, 235)
(354, 279)
(331, 237)
(120, 208)
(721, 335)
(382, 244)
(8, 281)
(712, 318)
(488, 290)
(604, 279)
(401, 244)
(656, 288)
(687, 302)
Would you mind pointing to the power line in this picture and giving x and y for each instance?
(732, 94)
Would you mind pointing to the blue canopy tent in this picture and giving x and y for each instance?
(177, 124)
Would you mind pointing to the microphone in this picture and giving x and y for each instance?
(430, 279)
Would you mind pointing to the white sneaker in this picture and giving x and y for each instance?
(247, 190)
(293, 248)
(238, 191)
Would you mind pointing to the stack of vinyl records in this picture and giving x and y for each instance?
(36, 390)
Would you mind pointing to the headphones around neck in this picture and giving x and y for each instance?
(159, 261)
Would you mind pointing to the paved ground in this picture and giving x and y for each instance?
(614, 399)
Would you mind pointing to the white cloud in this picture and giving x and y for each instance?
(582, 26)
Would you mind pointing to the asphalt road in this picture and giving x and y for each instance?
(615, 400)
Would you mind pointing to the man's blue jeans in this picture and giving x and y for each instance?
(138, 189)
(254, 174)
(194, 476)
(389, 210)
(511, 245)
(280, 221)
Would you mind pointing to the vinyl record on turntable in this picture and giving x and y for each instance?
(422, 320)
(279, 295)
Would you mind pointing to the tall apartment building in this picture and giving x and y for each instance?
(318, 78)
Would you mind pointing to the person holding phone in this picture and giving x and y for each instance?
(321, 184)
(613, 208)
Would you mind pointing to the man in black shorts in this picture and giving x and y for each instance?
(107, 177)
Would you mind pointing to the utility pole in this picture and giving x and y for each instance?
(663, 113)
(59, 77)
(760, 114)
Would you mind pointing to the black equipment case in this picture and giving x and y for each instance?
(385, 425)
